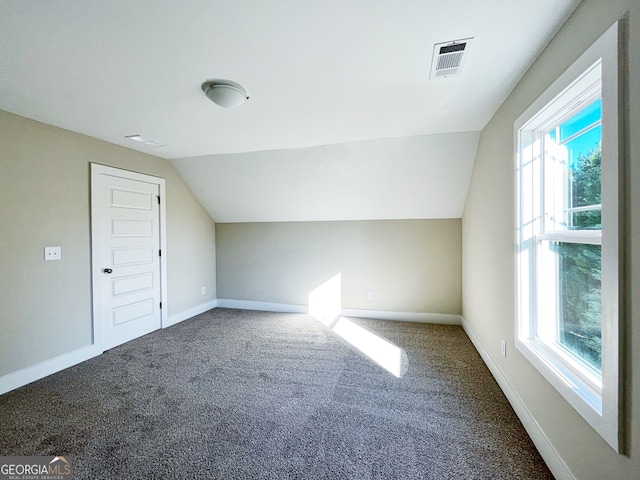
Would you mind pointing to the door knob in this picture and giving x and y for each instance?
(107, 270)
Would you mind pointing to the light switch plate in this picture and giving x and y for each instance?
(52, 253)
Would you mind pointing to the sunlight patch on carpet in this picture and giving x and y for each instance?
(382, 352)
(325, 305)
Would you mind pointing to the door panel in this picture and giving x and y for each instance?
(133, 311)
(128, 256)
(128, 199)
(128, 284)
(131, 228)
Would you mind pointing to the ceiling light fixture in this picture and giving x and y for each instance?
(225, 93)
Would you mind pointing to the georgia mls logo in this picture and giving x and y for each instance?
(62, 467)
(35, 468)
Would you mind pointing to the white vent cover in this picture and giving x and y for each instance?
(449, 58)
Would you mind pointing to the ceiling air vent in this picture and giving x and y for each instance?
(449, 57)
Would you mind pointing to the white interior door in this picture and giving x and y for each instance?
(126, 255)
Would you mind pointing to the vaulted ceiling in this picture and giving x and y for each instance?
(352, 72)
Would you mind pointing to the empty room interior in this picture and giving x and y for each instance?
(337, 239)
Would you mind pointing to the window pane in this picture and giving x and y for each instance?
(585, 180)
(573, 173)
(579, 296)
(583, 145)
(587, 116)
(589, 220)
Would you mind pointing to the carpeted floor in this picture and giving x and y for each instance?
(234, 394)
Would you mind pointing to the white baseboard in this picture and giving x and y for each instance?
(346, 312)
(550, 455)
(191, 312)
(262, 306)
(442, 318)
(27, 375)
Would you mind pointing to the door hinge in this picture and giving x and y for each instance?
(158, 199)
(159, 253)
(160, 305)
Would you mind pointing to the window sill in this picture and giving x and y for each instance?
(571, 386)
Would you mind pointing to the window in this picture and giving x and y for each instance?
(568, 235)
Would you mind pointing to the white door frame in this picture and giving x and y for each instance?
(96, 267)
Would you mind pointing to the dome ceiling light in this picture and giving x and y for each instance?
(225, 93)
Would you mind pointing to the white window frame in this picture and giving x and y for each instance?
(595, 397)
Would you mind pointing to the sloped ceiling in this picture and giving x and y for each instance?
(408, 178)
(318, 72)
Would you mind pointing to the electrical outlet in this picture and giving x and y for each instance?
(504, 348)
(204, 290)
(370, 295)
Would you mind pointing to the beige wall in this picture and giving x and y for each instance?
(44, 201)
(411, 265)
(488, 250)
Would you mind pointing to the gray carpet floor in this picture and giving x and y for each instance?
(234, 394)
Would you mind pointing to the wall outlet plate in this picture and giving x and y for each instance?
(52, 253)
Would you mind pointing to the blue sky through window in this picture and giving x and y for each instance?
(584, 143)
(589, 139)
(582, 119)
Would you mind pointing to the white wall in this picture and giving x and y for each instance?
(488, 254)
(394, 178)
(44, 201)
